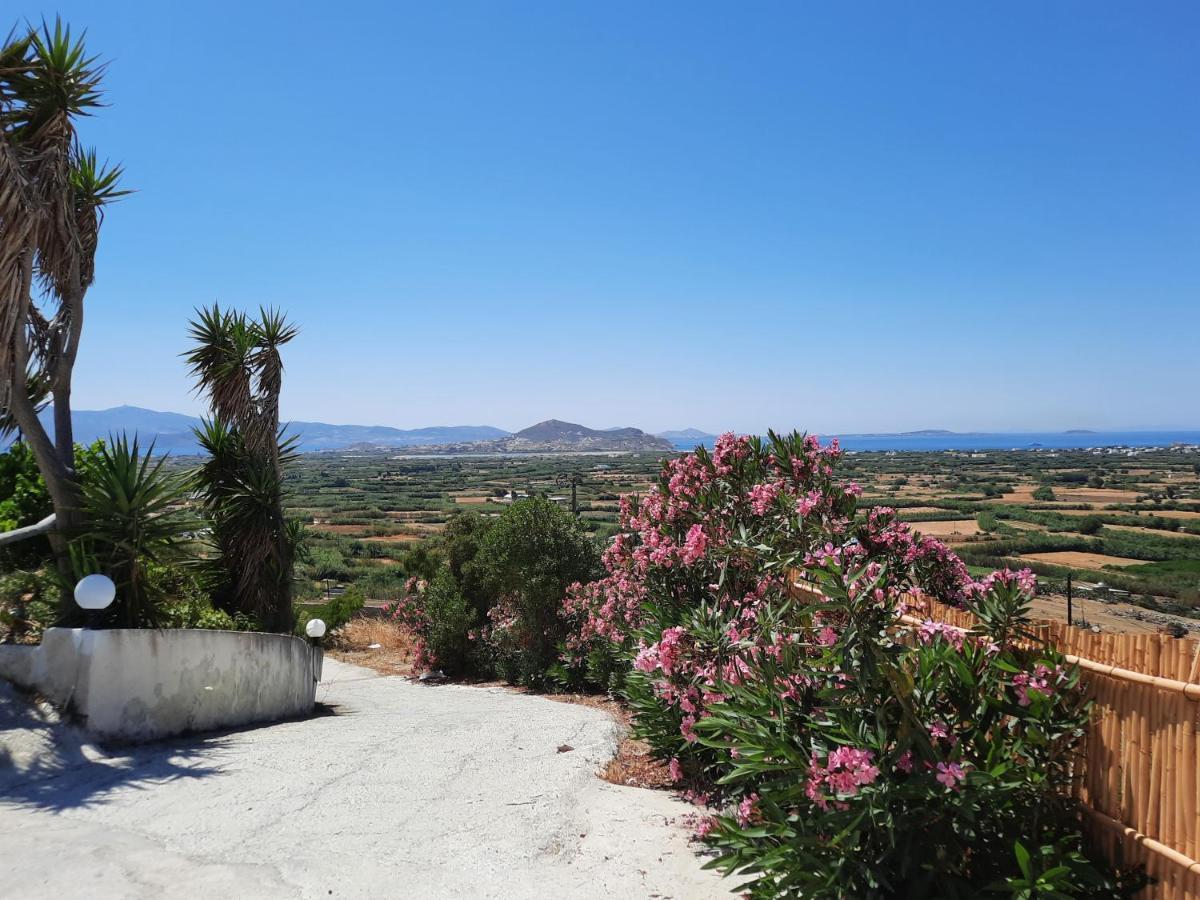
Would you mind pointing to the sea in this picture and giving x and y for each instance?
(1005, 440)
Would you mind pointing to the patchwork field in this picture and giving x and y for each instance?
(948, 529)
(377, 519)
(1078, 560)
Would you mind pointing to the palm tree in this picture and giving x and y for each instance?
(236, 362)
(52, 199)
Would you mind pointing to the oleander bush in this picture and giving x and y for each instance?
(846, 752)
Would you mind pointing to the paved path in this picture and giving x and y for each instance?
(404, 791)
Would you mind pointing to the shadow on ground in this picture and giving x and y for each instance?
(47, 763)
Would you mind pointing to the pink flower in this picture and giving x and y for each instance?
(762, 496)
(694, 545)
(747, 810)
(950, 774)
(808, 503)
(905, 762)
(1038, 683)
(675, 769)
(689, 722)
(647, 659)
(826, 636)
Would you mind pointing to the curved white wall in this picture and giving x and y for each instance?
(137, 685)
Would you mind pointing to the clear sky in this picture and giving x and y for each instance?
(838, 217)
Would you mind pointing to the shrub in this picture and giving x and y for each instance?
(494, 607)
(526, 561)
(462, 537)
(442, 622)
(759, 611)
(335, 612)
(24, 500)
(1045, 493)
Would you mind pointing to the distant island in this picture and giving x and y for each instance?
(556, 436)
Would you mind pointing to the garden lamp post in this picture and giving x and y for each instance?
(94, 594)
(315, 629)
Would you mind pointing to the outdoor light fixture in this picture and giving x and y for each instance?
(94, 594)
(315, 628)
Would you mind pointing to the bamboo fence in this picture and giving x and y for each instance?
(1138, 781)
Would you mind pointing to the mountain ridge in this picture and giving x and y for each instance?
(171, 432)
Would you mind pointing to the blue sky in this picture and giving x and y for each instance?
(838, 217)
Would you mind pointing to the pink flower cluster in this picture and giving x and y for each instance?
(1023, 579)
(763, 496)
(844, 772)
(662, 656)
(1041, 681)
(930, 630)
(747, 810)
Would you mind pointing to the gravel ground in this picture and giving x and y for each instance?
(398, 790)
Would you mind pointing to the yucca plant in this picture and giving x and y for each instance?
(237, 364)
(52, 199)
(137, 518)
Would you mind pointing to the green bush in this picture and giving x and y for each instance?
(335, 612)
(494, 606)
(526, 562)
(443, 622)
(1045, 494)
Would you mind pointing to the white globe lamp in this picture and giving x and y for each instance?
(94, 594)
(315, 629)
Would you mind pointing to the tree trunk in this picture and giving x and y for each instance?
(60, 480)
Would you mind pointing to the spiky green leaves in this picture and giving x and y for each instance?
(236, 362)
(48, 77)
(137, 519)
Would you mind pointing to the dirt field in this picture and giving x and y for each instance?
(1082, 560)
(1022, 495)
(955, 528)
(1098, 496)
(1119, 618)
(395, 538)
(342, 529)
(473, 501)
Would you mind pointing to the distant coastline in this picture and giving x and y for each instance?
(937, 440)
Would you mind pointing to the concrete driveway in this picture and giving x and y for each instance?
(400, 791)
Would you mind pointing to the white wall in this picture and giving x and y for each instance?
(136, 685)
